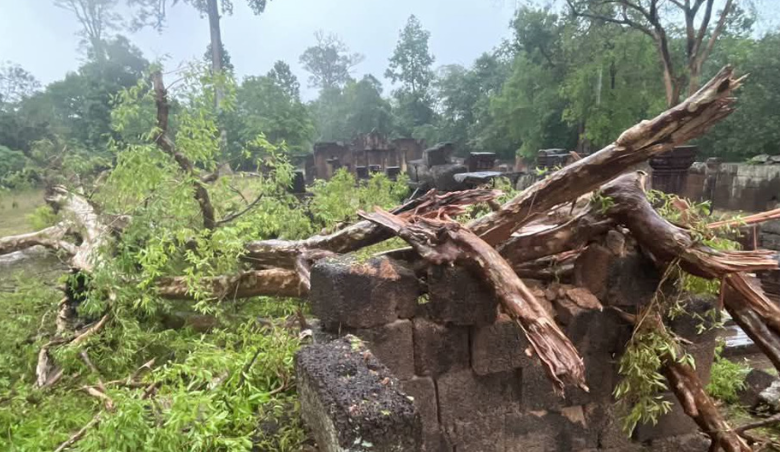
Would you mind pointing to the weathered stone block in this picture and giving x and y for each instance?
(603, 420)
(464, 395)
(423, 391)
(439, 154)
(543, 431)
(348, 293)
(594, 332)
(693, 442)
(697, 323)
(456, 296)
(479, 434)
(439, 348)
(673, 423)
(755, 382)
(353, 403)
(627, 280)
(498, 347)
(704, 356)
(538, 391)
(591, 269)
(394, 346)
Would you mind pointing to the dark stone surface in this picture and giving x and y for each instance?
(438, 154)
(393, 345)
(464, 395)
(591, 269)
(543, 431)
(439, 348)
(352, 294)
(627, 280)
(632, 281)
(699, 311)
(456, 296)
(478, 434)
(704, 355)
(673, 423)
(755, 382)
(498, 347)
(594, 331)
(605, 422)
(423, 391)
(684, 443)
(538, 394)
(444, 177)
(352, 402)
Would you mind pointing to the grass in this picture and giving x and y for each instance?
(15, 206)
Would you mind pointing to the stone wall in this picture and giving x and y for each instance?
(468, 368)
(734, 186)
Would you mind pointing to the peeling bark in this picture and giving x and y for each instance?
(573, 234)
(697, 404)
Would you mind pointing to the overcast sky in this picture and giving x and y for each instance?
(42, 38)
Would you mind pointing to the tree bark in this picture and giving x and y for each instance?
(273, 282)
(51, 237)
(673, 127)
(447, 242)
(165, 143)
(697, 404)
(573, 234)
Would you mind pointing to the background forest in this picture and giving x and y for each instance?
(563, 80)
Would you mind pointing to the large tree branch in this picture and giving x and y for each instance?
(165, 143)
(648, 138)
(447, 242)
(284, 253)
(271, 282)
(51, 237)
(699, 406)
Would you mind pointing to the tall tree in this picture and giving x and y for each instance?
(264, 104)
(359, 107)
(410, 66)
(154, 12)
(16, 84)
(97, 19)
(283, 77)
(703, 25)
(329, 61)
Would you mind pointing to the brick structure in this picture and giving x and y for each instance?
(466, 366)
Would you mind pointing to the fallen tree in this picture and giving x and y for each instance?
(488, 245)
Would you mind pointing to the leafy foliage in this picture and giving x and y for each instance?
(329, 61)
(642, 384)
(410, 65)
(726, 377)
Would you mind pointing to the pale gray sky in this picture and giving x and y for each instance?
(41, 38)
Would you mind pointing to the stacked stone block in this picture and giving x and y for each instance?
(467, 366)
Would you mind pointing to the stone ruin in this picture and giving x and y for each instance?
(422, 359)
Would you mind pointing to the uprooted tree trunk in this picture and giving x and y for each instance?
(447, 242)
(81, 222)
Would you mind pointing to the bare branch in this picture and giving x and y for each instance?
(165, 143)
